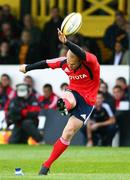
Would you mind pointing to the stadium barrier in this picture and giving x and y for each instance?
(57, 77)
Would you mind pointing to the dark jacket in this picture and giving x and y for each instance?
(20, 109)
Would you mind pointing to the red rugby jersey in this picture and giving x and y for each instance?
(85, 80)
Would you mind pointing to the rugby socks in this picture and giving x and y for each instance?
(67, 104)
(59, 147)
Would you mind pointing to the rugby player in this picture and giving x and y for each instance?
(83, 71)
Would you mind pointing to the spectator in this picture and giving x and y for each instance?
(102, 123)
(64, 86)
(119, 95)
(34, 31)
(8, 17)
(49, 99)
(5, 56)
(3, 98)
(121, 81)
(49, 35)
(126, 58)
(7, 34)
(1, 16)
(118, 54)
(22, 111)
(30, 81)
(122, 114)
(26, 52)
(116, 32)
(6, 84)
(108, 98)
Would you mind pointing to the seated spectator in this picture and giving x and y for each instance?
(101, 126)
(64, 86)
(7, 34)
(49, 34)
(6, 84)
(5, 56)
(116, 32)
(122, 114)
(22, 111)
(119, 95)
(1, 16)
(108, 98)
(121, 81)
(8, 17)
(118, 54)
(126, 58)
(49, 99)
(35, 32)
(30, 81)
(3, 98)
(26, 52)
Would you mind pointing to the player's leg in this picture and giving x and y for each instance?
(73, 125)
(66, 103)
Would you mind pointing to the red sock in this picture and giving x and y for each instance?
(67, 104)
(59, 147)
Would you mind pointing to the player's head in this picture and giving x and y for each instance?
(99, 99)
(72, 60)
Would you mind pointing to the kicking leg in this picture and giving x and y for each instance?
(62, 143)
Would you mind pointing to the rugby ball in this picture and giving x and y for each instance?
(71, 24)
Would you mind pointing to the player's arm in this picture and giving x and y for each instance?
(52, 63)
(73, 47)
(38, 65)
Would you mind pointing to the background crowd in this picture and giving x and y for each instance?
(21, 41)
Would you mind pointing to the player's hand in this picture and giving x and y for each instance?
(62, 37)
(95, 126)
(22, 68)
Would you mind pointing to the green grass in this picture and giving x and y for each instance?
(77, 163)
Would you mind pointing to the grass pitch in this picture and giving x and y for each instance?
(77, 163)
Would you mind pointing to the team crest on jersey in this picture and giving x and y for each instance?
(67, 70)
(81, 76)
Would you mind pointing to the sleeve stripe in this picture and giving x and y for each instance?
(55, 60)
(108, 109)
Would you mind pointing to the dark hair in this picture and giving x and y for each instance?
(29, 77)
(63, 84)
(105, 84)
(119, 13)
(122, 79)
(101, 93)
(55, 7)
(48, 86)
(118, 87)
(6, 75)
